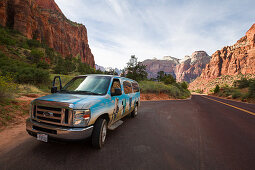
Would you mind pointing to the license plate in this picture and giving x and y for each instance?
(42, 137)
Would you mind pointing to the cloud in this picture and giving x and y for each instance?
(118, 29)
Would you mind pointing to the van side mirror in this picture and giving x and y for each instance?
(55, 89)
(117, 92)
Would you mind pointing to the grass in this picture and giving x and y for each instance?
(174, 91)
(12, 111)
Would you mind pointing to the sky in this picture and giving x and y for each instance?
(150, 29)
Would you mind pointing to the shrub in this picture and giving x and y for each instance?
(7, 87)
(30, 75)
(33, 43)
(243, 83)
(159, 87)
(43, 65)
(36, 55)
(236, 94)
(217, 89)
(184, 85)
(251, 92)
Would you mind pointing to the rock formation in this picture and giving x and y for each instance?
(191, 66)
(186, 69)
(44, 21)
(153, 66)
(231, 60)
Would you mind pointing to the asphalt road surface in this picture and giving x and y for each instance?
(201, 133)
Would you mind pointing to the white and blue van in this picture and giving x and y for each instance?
(87, 106)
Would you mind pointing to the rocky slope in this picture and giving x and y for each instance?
(191, 66)
(186, 69)
(153, 66)
(44, 21)
(229, 61)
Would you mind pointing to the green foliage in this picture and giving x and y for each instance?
(5, 37)
(243, 83)
(33, 43)
(184, 85)
(169, 79)
(136, 70)
(159, 87)
(84, 68)
(43, 65)
(23, 72)
(216, 89)
(161, 75)
(251, 92)
(7, 87)
(36, 55)
(31, 75)
(236, 94)
(166, 78)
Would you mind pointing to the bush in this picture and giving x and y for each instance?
(159, 87)
(7, 87)
(217, 89)
(33, 43)
(36, 55)
(243, 83)
(184, 85)
(30, 75)
(251, 92)
(236, 94)
(43, 65)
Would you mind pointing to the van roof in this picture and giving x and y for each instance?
(113, 76)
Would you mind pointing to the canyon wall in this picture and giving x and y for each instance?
(44, 21)
(238, 59)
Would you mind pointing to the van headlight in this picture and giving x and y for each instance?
(81, 117)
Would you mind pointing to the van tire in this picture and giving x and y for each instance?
(99, 133)
(134, 113)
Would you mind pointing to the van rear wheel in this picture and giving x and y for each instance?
(99, 133)
(134, 113)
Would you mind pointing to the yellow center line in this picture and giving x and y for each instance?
(247, 111)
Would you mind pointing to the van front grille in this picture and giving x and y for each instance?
(52, 115)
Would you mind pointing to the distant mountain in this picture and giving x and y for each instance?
(231, 61)
(186, 69)
(191, 66)
(99, 67)
(167, 64)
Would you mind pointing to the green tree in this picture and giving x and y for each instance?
(161, 75)
(169, 79)
(136, 70)
(217, 89)
(36, 55)
(184, 85)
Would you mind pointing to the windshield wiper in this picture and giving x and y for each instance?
(87, 92)
(64, 91)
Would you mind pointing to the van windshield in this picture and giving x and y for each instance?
(91, 85)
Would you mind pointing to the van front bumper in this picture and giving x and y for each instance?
(57, 132)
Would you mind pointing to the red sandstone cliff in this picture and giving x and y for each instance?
(230, 60)
(44, 21)
(191, 66)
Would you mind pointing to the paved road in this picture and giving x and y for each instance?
(186, 134)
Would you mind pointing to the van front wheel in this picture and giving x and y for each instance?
(99, 133)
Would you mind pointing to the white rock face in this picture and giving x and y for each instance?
(201, 56)
(169, 58)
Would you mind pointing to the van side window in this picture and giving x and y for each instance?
(115, 84)
(127, 87)
(135, 87)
